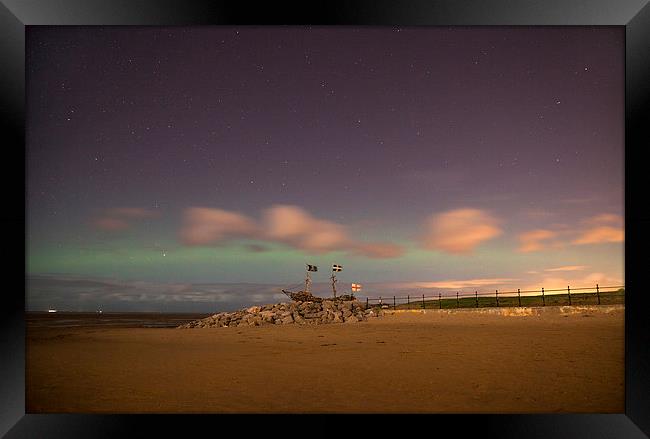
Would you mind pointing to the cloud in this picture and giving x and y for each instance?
(110, 224)
(460, 231)
(567, 268)
(603, 228)
(286, 224)
(535, 240)
(589, 280)
(605, 218)
(203, 226)
(296, 227)
(121, 218)
(600, 234)
(463, 283)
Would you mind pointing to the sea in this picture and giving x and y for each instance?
(108, 319)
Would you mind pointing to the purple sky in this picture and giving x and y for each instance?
(486, 153)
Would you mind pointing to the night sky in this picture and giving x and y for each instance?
(192, 168)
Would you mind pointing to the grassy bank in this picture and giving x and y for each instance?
(589, 298)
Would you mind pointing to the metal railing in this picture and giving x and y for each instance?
(597, 295)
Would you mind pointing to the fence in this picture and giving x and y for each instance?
(597, 295)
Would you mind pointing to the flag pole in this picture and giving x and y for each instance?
(335, 268)
(307, 280)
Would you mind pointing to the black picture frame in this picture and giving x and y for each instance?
(634, 15)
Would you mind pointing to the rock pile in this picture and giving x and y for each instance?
(327, 311)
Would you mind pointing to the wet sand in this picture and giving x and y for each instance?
(439, 362)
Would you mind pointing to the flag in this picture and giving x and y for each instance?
(312, 268)
(356, 287)
(336, 267)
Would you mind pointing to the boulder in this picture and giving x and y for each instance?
(313, 315)
(327, 304)
(307, 312)
(345, 304)
(298, 318)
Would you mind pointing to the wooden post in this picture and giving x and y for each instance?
(519, 295)
(440, 300)
(423, 301)
(394, 305)
(543, 300)
(334, 284)
(408, 302)
(496, 294)
(308, 282)
(568, 290)
(598, 294)
(476, 294)
(457, 302)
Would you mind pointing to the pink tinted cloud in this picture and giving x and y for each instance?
(110, 224)
(204, 226)
(567, 268)
(287, 224)
(296, 227)
(587, 280)
(601, 228)
(460, 231)
(601, 234)
(535, 240)
(605, 218)
(121, 218)
(461, 283)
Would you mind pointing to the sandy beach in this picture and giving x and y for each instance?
(464, 361)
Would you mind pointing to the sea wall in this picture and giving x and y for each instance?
(521, 311)
(324, 312)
